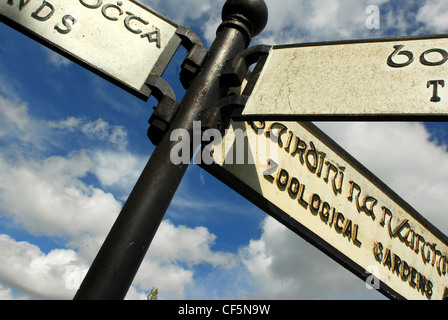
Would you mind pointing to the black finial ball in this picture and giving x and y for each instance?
(255, 12)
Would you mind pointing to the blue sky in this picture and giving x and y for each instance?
(73, 145)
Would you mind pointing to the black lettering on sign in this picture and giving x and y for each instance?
(410, 57)
(404, 231)
(98, 4)
(407, 273)
(288, 143)
(269, 172)
(338, 176)
(44, 12)
(112, 12)
(435, 83)
(378, 251)
(300, 148)
(133, 17)
(325, 211)
(22, 3)
(294, 188)
(68, 21)
(313, 163)
(307, 152)
(368, 203)
(257, 129)
(275, 132)
(408, 54)
(105, 11)
(302, 202)
(339, 220)
(314, 203)
(153, 36)
(283, 179)
(425, 62)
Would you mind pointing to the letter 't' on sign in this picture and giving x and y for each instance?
(123, 41)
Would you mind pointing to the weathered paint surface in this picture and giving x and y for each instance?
(302, 178)
(122, 40)
(393, 77)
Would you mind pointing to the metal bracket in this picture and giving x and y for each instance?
(196, 56)
(219, 116)
(236, 75)
(165, 111)
(168, 106)
(237, 70)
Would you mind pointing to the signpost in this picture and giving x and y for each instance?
(122, 41)
(298, 175)
(403, 78)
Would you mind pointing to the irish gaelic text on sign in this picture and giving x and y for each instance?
(121, 40)
(297, 174)
(390, 77)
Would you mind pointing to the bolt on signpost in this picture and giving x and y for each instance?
(117, 262)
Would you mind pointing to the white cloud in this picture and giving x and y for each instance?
(98, 130)
(191, 13)
(56, 60)
(285, 267)
(50, 196)
(173, 256)
(53, 195)
(434, 14)
(69, 124)
(117, 170)
(181, 12)
(6, 293)
(299, 21)
(35, 274)
(311, 21)
(191, 246)
(403, 156)
(15, 122)
(172, 280)
(101, 130)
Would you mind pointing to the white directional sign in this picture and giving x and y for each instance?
(386, 77)
(123, 41)
(302, 178)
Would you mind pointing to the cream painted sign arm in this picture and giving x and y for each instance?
(122, 41)
(403, 78)
(302, 178)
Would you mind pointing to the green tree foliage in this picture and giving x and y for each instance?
(153, 294)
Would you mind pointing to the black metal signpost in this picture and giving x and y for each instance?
(117, 262)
